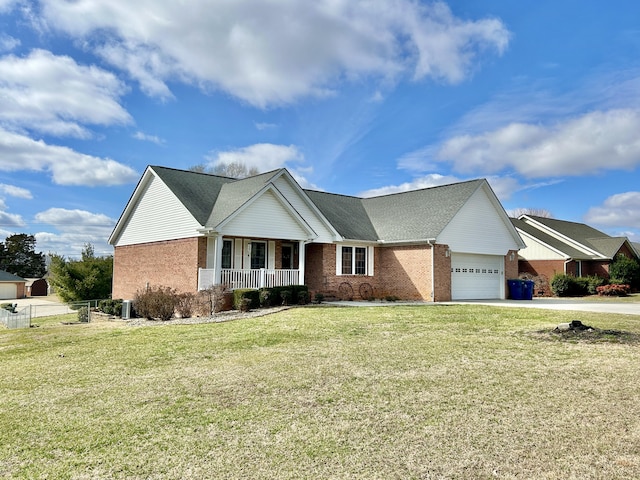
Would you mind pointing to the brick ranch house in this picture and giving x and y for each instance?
(189, 230)
(559, 246)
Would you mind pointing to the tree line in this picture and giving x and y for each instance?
(89, 278)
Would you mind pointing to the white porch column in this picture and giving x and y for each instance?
(217, 266)
(301, 260)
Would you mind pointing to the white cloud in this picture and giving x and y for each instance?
(10, 219)
(270, 53)
(620, 210)
(6, 5)
(263, 156)
(7, 42)
(265, 126)
(14, 191)
(76, 228)
(54, 95)
(590, 143)
(427, 181)
(66, 166)
(148, 138)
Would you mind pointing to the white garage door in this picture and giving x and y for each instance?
(476, 277)
(8, 291)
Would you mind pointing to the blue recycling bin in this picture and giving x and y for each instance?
(516, 289)
(527, 290)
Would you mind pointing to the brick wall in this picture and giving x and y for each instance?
(401, 271)
(172, 263)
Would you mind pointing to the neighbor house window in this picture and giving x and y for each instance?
(227, 247)
(354, 260)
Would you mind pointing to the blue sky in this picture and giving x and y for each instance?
(354, 97)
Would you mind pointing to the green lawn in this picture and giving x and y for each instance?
(424, 392)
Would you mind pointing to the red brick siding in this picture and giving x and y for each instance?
(172, 263)
(401, 271)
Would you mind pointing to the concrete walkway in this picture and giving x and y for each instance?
(577, 304)
(42, 306)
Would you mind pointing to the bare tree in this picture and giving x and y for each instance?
(537, 212)
(235, 169)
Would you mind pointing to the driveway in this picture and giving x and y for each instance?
(576, 304)
(41, 306)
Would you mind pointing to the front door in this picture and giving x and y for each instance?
(287, 257)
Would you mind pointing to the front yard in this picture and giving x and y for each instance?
(425, 392)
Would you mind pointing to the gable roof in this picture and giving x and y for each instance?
(406, 216)
(599, 243)
(413, 216)
(10, 277)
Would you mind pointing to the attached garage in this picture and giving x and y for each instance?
(11, 286)
(8, 291)
(476, 277)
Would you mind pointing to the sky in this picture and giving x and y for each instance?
(357, 97)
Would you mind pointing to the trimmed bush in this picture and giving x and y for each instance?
(83, 314)
(564, 285)
(241, 293)
(111, 306)
(266, 295)
(185, 304)
(614, 290)
(319, 297)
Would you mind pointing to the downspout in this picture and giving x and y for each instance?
(432, 242)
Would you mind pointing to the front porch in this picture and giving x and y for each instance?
(248, 278)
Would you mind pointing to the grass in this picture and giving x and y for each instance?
(424, 392)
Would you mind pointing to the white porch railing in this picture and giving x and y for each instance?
(257, 278)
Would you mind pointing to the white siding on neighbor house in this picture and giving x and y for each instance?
(569, 241)
(479, 227)
(158, 216)
(292, 194)
(537, 251)
(265, 217)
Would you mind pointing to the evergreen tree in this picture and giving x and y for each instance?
(18, 256)
(86, 279)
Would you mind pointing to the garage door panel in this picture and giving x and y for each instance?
(8, 291)
(476, 277)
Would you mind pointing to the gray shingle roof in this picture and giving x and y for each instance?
(198, 192)
(406, 216)
(10, 277)
(581, 233)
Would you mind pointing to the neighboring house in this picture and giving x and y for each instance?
(189, 230)
(558, 246)
(11, 286)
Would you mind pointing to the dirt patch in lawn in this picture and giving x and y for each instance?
(576, 331)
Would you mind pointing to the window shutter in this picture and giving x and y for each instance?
(271, 255)
(370, 254)
(338, 259)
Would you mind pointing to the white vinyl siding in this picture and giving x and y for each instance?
(158, 216)
(476, 277)
(325, 235)
(535, 250)
(266, 217)
(479, 227)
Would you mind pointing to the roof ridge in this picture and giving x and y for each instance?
(182, 170)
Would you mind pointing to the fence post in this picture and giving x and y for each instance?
(89, 312)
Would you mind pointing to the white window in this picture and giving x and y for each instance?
(354, 260)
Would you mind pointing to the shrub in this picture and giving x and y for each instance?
(241, 293)
(286, 296)
(185, 304)
(211, 300)
(594, 283)
(83, 314)
(111, 306)
(625, 270)
(11, 307)
(319, 297)
(245, 304)
(303, 297)
(265, 295)
(563, 285)
(159, 302)
(614, 290)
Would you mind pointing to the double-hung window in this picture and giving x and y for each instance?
(227, 249)
(353, 260)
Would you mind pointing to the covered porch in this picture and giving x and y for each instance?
(252, 263)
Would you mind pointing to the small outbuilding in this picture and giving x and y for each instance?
(11, 286)
(37, 287)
